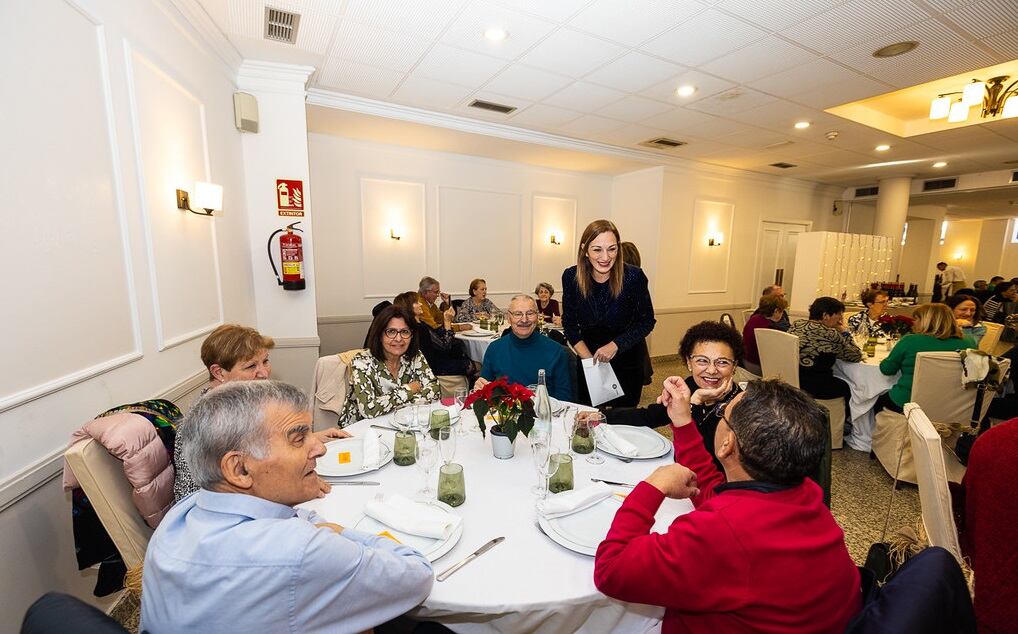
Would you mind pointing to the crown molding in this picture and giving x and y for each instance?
(263, 76)
(209, 36)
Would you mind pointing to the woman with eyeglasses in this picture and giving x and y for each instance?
(391, 372)
(711, 351)
(607, 311)
(867, 322)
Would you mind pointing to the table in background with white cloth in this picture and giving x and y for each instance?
(867, 384)
(528, 583)
(475, 345)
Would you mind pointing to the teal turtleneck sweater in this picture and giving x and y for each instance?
(520, 359)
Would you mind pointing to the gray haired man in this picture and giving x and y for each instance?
(433, 301)
(237, 555)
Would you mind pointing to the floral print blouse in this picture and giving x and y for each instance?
(861, 323)
(374, 392)
(470, 308)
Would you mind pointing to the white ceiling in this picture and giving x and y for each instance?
(606, 70)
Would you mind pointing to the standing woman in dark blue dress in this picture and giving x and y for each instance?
(607, 312)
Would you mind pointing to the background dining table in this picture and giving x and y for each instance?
(476, 343)
(867, 383)
(528, 583)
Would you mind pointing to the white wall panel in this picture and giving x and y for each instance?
(480, 236)
(172, 153)
(552, 215)
(68, 292)
(708, 265)
(392, 206)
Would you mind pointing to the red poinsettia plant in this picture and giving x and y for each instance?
(510, 404)
(896, 325)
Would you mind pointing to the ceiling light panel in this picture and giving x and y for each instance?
(521, 82)
(853, 22)
(635, 21)
(634, 109)
(634, 72)
(457, 66)
(467, 31)
(583, 95)
(572, 53)
(704, 37)
(760, 59)
(377, 47)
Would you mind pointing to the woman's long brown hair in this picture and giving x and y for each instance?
(585, 271)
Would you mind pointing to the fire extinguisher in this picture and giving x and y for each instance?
(291, 258)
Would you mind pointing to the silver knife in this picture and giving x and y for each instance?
(618, 484)
(385, 427)
(474, 555)
(365, 483)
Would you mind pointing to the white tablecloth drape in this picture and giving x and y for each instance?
(867, 383)
(528, 583)
(476, 346)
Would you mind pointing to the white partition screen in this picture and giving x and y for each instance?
(838, 265)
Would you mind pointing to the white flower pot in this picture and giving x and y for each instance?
(501, 447)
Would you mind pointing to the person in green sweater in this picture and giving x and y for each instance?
(522, 352)
(935, 330)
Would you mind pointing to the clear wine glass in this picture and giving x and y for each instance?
(446, 443)
(568, 420)
(460, 396)
(427, 457)
(540, 450)
(593, 419)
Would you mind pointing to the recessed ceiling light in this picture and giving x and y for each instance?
(882, 147)
(940, 164)
(496, 34)
(898, 48)
(801, 125)
(685, 91)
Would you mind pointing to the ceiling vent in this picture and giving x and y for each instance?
(493, 107)
(663, 143)
(783, 165)
(862, 192)
(281, 26)
(1014, 177)
(939, 183)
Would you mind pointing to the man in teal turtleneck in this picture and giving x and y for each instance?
(520, 354)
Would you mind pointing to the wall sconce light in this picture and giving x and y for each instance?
(554, 240)
(207, 196)
(393, 234)
(959, 256)
(715, 239)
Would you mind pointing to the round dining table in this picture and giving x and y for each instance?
(528, 583)
(867, 383)
(476, 342)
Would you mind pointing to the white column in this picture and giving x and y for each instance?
(892, 210)
(280, 150)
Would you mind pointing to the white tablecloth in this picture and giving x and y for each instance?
(527, 583)
(867, 383)
(476, 346)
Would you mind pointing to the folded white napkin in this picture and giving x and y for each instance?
(370, 447)
(572, 501)
(615, 441)
(407, 516)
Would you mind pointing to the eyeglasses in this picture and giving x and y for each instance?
(403, 333)
(519, 314)
(702, 362)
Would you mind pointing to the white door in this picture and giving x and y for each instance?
(776, 262)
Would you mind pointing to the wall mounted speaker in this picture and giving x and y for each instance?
(245, 112)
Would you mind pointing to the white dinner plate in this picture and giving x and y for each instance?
(584, 530)
(427, 546)
(476, 333)
(329, 466)
(649, 444)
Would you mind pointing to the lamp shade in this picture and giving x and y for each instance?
(1010, 107)
(959, 112)
(940, 107)
(972, 94)
(207, 196)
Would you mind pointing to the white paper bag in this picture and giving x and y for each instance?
(602, 384)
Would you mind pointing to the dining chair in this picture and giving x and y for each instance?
(746, 314)
(937, 388)
(101, 477)
(330, 387)
(992, 337)
(931, 474)
(779, 359)
(728, 320)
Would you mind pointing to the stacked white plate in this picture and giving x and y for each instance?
(583, 530)
(649, 443)
(345, 457)
(430, 548)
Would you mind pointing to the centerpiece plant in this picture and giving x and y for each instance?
(511, 405)
(895, 326)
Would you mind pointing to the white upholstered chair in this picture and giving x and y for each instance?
(101, 477)
(779, 359)
(330, 388)
(931, 467)
(746, 314)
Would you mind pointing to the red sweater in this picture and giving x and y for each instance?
(742, 561)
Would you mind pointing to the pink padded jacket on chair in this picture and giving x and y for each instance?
(147, 464)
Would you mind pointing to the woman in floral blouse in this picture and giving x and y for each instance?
(477, 305)
(391, 372)
(866, 322)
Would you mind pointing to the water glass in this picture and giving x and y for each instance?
(583, 436)
(446, 443)
(426, 459)
(540, 450)
(452, 489)
(483, 323)
(439, 420)
(460, 397)
(592, 420)
(404, 448)
(561, 467)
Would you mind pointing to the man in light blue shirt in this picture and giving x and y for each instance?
(237, 557)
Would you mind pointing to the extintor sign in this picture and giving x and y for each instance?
(290, 197)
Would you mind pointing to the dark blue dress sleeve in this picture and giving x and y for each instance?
(570, 304)
(637, 294)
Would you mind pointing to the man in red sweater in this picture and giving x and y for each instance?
(760, 552)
